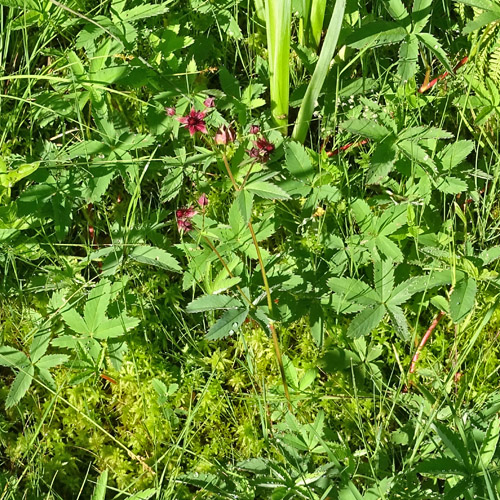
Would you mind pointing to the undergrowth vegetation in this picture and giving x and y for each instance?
(249, 250)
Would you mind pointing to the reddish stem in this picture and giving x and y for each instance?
(429, 85)
(424, 340)
(108, 378)
(346, 146)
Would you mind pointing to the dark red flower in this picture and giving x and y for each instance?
(194, 122)
(183, 215)
(209, 102)
(254, 129)
(261, 150)
(170, 111)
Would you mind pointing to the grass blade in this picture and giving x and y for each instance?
(320, 72)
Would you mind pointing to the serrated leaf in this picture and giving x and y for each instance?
(12, 357)
(454, 154)
(382, 161)
(228, 324)
(267, 190)
(421, 133)
(436, 48)
(51, 360)
(352, 290)
(155, 257)
(489, 255)
(74, 321)
(416, 153)
(20, 386)
(388, 248)
(116, 327)
(396, 9)
(432, 280)
(462, 299)
(375, 34)
(212, 303)
(442, 466)
(366, 321)
(383, 278)
(482, 20)
(452, 442)
(172, 184)
(398, 318)
(408, 55)
(366, 128)
(94, 312)
(362, 214)
(451, 185)
(245, 203)
(489, 444)
(298, 162)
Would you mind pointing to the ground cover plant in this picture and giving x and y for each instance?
(249, 250)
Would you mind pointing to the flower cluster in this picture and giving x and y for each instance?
(183, 219)
(261, 150)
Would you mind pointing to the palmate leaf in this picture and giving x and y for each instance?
(462, 299)
(21, 384)
(454, 154)
(228, 324)
(383, 278)
(12, 357)
(74, 321)
(96, 306)
(366, 321)
(382, 161)
(396, 9)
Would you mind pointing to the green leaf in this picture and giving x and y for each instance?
(452, 442)
(317, 323)
(482, 20)
(454, 154)
(100, 487)
(375, 34)
(396, 9)
(320, 71)
(440, 467)
(228, 324)
(398, 318)
(155, 257)
(408, 55)
(462, 299)
(425, 283)
(96, 306)
(74, 321)
(47, 378)
(362, 214)
(435, 47)
(267, 190)
(366, 321)
(421, 133)
(388, 248)
(451, 185)
(489, 255)
(116, 327)
(21, 384)
(353, 290)
(366, 128)
(245, 203)
(51, 360)
(298, 162)
(416, 153)
(143, 11)
(489, 444)
(383, 278)
(382, 161)
(172, 184)
(12, 357)
(213, 302)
